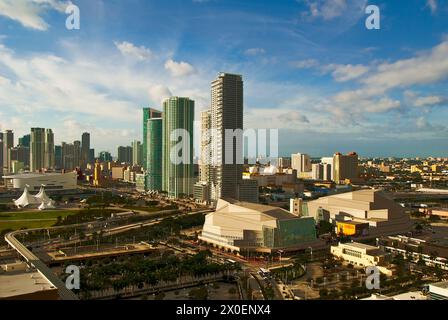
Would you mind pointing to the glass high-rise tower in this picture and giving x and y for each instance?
(137, 153)
(178, 177)
(25, 140)
(148, 113)
(85, 149)
(8, 143)
(37, 149)
(49, 149)
(1, 153)
(154, 155)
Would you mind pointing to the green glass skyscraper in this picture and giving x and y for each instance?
(148, 113)
(154, 159)
(37, 149)
(178, 117)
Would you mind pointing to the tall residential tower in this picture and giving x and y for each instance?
(85, 149)
(148, 113)
(154, 154)
(226, 114)
(37, 149)
(137, 153)
(8, 143)
(178, 175)
(49, 149)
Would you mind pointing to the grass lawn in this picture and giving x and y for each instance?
(25, 225)
(31, 219)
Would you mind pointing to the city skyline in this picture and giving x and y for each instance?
(369, 95)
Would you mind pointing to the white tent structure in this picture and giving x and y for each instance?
(47, 205)
(42, 196)
(26, 199)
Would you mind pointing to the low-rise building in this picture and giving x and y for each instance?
(34, 181)
(352, 228)
(20, 282)
(361, 255)
(140, 182)
(118, 173)
(407, 296)
(243, 227)
(432, 254)
(438, 291)
(201, 192)
(372, 207)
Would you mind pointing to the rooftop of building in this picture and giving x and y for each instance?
(274, 212)
(32, 175)
(353, 222)
(441, 285)
(416, 295)
(22, 283)
(360, 246)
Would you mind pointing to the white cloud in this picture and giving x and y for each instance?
(433, 5)
(93, 85)
(179, 69)
(130, 50)
(354, 103)
(159, 93)
(331, 9)
(293, 117)
(29, 12)
(429, 101)
(426, 68)
(254, 51)
(305, 64)
(422, 123)
(342, 73)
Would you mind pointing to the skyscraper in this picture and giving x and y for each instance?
(105, 156)
(345, 167)
(37, 149)
(137, 153)
(20, 154)
(178, 176)
(68, 156)
(301, 162)
(25, 140)
(148, 113)
(58, 157)
(91, 155)
(8, 143)
(49, 149)
(154, 154)
(226, 114)
(71, 155)
(85, 149)
(125, 154)
(284, 162)
(329, 168)
(77, 153)
(1, 153)
(206, 154)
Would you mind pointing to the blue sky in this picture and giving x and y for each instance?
(311, 69)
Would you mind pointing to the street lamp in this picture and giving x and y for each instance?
(311, 252)
(280, 254)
